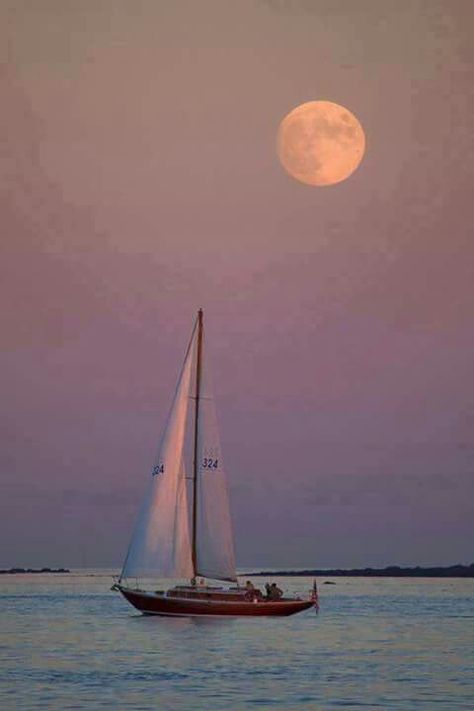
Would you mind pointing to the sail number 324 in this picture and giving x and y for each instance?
(208, 463)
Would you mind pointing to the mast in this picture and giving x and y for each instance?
(196, 426)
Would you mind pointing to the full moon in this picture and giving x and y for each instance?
(320, 143)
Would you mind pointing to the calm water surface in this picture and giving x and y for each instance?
(67, 642)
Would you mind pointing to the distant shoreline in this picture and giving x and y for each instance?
(393, 571)
(21, 571)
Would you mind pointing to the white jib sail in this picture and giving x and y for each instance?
(160, 544)
(214, 538)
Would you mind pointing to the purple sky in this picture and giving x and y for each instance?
(139, 181)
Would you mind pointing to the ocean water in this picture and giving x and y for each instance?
(67, 642)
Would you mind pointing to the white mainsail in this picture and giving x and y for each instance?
(160, 544)
(214, 540)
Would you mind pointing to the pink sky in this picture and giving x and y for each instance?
(139, 181)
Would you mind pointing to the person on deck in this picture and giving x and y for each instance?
(275, 593)
(252, 593)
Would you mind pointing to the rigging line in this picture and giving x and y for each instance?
(196, 432)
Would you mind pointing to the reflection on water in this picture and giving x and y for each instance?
(68, 642)
(182, 623)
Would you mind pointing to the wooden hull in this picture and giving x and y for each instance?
(159, 604)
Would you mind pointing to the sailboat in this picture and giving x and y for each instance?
(184, 529)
